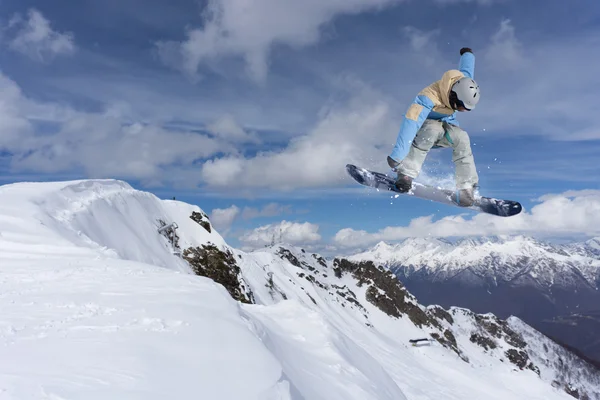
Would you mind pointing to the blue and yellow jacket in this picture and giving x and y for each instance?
(433, 102)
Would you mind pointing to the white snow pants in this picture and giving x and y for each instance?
(441, 134)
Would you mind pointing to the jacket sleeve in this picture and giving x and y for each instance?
(467, 65)
(413, 120)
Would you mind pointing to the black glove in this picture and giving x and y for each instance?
(465, 50)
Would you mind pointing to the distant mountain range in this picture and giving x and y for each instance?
(553, 287)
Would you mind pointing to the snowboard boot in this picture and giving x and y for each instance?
(465, 197)
(403, 183)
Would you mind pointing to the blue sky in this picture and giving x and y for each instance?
(252, 113)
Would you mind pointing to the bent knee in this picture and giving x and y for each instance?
(461, 140)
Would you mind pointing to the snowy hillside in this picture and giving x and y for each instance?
(558, 364)
(555, 288)
(98, 304)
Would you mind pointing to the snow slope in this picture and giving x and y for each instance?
(95, 306)
(423, 372)
(80, 321)
(555, 363)
(553, 287)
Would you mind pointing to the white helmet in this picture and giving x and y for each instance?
(464, 93)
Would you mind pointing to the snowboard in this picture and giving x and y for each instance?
(488, 205)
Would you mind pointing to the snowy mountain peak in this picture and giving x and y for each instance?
(382, 246)
(593, 243)
(498, 258)
(423, 242)
(500, 241)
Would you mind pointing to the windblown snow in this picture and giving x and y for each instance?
(96, 305)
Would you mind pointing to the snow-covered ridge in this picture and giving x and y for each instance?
(104, 217)
(501, 258)
(555, 363)
(97, 305)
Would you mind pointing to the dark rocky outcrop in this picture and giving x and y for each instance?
(202, 219)
(440, 313)
(320, 260)
(483, 341)
(500, 329)
(389, 295)
(287, 255)
(220, 266)
(518, 357)
(385, 291)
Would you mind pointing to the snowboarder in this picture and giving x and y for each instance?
(430, 123)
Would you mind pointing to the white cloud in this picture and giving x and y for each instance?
(505, 51)
(515, 75)
(569, 194)
(423, 44)
(222, 218)
(105, 146)
(584, 134)
(15, 128)
(418, 39)
(569, 213)
(346, 132)
(36, 39)
(228, 129)
(285, 232)
(102, 144)
(250, 28)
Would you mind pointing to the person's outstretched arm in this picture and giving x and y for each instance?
(467, 62)
(413, 120)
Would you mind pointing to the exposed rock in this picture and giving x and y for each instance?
(202, 219)
(287, 255)
(448, 340)
(221, 267)
(500, 329)
(440, 313)
(575, 393)
(313, 280)
(310, 297)
(386, 292)
(320, 260)
(274, 288)
(383, 302)
(485, 342)
(521, 359)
